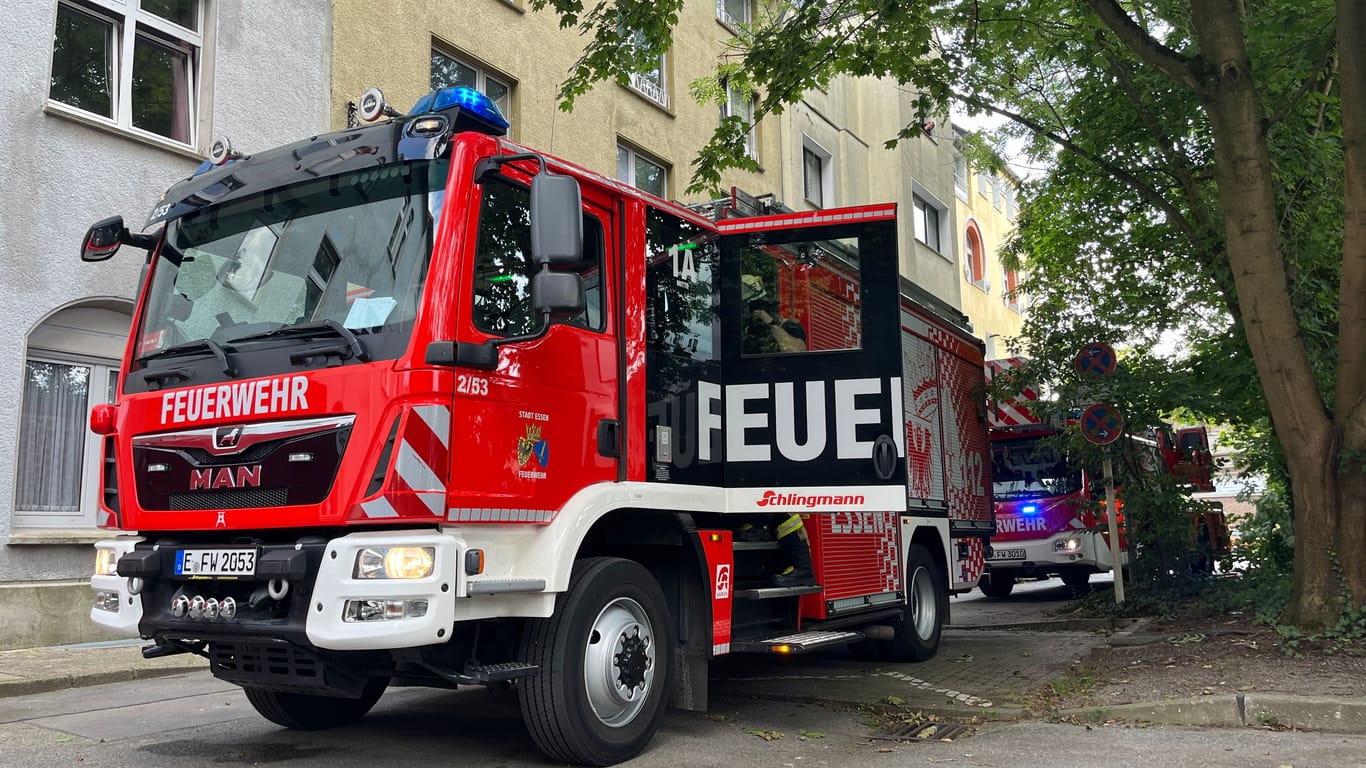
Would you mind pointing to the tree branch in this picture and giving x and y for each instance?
(1144, 46)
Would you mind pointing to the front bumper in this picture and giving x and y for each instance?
(1043, 556)
(299, 594)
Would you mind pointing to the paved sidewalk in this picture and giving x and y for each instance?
(39, 670)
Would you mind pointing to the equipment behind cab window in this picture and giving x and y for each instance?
(503, 265)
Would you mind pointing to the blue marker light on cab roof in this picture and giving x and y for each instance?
(1030, 509)
(473, 111)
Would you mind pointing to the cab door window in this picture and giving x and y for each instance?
(503, 266)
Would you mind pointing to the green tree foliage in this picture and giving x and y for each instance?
(1207, 181)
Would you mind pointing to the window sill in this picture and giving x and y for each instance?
(58, 536)
(981, 286)
(56, 109)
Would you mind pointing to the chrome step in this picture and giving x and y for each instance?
(801, 642)
(492, 673)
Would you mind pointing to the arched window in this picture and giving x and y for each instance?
(976, 258)
(71, 365)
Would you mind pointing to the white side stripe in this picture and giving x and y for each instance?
(414, 470)
(438, 419)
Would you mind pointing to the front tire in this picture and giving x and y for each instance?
(602, 682)
(1078, 580)
(312, 712)
(920, 624)
(996, 585)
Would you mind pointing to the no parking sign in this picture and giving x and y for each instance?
(1096, 361)
(1101, 423)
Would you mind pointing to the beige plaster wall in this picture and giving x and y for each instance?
(392, 50)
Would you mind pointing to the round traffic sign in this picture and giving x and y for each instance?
(1096, 360)
(1101, 423)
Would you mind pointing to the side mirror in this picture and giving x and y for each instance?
(556, 220)
(558, 294)
(103, 239)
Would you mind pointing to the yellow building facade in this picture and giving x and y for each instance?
(987, 206)
(824, 152)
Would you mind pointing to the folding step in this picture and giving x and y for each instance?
(745, 545)
(487, 673)
(769, 593)
(801, 642)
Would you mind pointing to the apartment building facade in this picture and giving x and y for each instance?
(987, 205)
(107, 103)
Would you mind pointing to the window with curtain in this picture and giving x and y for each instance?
(59, 457)
(134, 64)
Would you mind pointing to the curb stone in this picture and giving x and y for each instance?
(1310, 713)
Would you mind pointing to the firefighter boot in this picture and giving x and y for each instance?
(748, 532)
(797, 553)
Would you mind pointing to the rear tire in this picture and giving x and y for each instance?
(312, 712)
(602, 682)
(920, 624)
(996, 584)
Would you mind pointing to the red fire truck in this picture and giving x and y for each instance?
(408, 404)
(1050, 517)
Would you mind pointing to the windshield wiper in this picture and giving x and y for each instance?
(197, 346)
(310, 330)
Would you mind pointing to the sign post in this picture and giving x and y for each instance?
(1103, 424)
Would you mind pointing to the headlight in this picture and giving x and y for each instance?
(106, 562)
(1066, 545)
(395, 562)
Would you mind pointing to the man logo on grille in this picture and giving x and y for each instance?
(227, 437)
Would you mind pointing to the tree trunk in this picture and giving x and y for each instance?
(1351, 385)
(1243, 176)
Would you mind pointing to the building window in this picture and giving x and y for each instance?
(650, 83)
(58, 479)
(1010, 296)
(975, 261)
(741, 104)
(1010, 202)
(449, 71)
(134, 64)
(983, 183)
(642, 172)
(733, 13)
(961, 183)
(817, 175)
(927, 222)
(996, 194)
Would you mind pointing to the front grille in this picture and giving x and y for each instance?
(234, 499)
(203, 458)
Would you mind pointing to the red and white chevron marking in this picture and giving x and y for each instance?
(1016, 411)
(416, 482)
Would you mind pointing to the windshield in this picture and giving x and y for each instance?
(352, 249)
(1030, 468)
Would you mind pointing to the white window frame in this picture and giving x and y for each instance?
(727, 18)
(482, 76)
(126, 34)
(656, 90)
(920, 203)
(962, 185)
(997, 195)
(1015, 303)
(751, 138)
(826, 173)
(634, 155)
(969, 273)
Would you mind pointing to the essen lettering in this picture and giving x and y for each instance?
(228, 401)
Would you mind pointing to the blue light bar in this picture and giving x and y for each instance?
(1030, 509)
(473, 110)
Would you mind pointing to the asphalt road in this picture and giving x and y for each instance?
(195, 720)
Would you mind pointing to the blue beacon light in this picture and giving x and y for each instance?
(470, 103)
(1030, 509)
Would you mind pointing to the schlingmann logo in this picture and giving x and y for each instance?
(775, 499)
